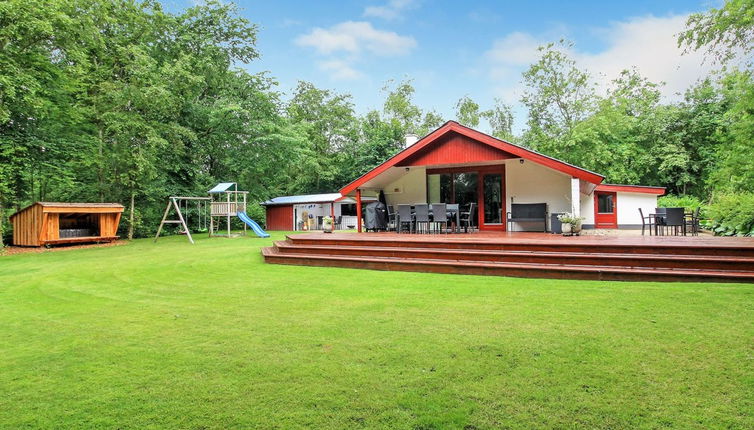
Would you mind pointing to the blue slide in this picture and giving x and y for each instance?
(254, 226)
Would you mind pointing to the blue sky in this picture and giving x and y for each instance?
(451, 49)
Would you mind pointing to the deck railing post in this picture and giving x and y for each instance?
(358, 210)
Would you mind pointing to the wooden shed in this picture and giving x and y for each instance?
(52, 223)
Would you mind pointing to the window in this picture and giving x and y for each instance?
(458, 188)
(348, 209)
(605, 203)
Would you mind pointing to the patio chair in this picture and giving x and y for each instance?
(453, 209)
(468, 218)
(391, 218)
(404, 218)
(421, 216)
(659, 221)
(440, 216)
(692, 222)
(676, 218)
(646, 221)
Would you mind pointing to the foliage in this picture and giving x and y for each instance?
(733, 214)
(735, 164)
(558, 95)
(690, 203)
(467, 112)
(569, 218)
(723, 32)
(500, 118)
(172, 335)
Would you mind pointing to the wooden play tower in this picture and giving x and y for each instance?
(226, 203)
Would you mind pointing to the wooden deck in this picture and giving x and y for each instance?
(537, 255)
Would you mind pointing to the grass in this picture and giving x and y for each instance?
(171, 335)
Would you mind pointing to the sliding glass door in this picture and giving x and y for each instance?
(493, 198)
(483, 186)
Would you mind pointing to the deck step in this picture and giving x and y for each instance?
(544, 257)
(517, 269)
(657, 246)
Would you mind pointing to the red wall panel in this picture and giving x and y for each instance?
(280, 217)
(455, 148)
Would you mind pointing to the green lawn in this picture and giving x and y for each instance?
(171, 335)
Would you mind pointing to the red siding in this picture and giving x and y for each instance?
(454, 148)
(280, 217)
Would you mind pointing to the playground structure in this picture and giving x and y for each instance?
(225, 202)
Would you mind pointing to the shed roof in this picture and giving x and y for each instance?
(76, 206)
(307, 198)
(645, 189)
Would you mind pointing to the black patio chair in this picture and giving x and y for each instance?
(659, 221)
(421, 216)
(468, 218)
(692, 222)
(404, 218)
(453, 211)
(675, 218)
(440, 216)
(646, 221)
(391, 218)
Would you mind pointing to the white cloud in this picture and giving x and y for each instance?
(392, 10)
(340, 70)
(647, 43)
(355, 37)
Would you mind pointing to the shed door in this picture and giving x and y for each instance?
(605, 209)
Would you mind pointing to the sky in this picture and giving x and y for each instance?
(452, 49)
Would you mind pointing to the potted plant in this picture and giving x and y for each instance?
(327, 224)
(571, 224)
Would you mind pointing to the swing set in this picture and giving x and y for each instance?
(176, 202)
(226, 202)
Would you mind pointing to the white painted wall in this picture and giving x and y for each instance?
(629, 204)
(587, 209)
(628, 208)
(411, 188)
(533, 183)
(315, 209)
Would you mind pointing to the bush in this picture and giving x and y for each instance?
(690, 203)
(732, 215)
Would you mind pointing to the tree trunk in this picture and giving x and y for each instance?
(100, 173)
(131, 217)
(2, 218)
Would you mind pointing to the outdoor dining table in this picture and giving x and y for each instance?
(452, 210)
(658, 219)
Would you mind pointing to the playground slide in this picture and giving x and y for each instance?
(254, 226)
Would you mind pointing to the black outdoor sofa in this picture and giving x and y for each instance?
(528, 212)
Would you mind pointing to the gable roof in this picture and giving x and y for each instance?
(499, 144)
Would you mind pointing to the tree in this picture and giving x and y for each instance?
(723, 32)
(399, 106)
(558, 95)
(500, 118)
(329, 119)
(467, 112)
(734, 155)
